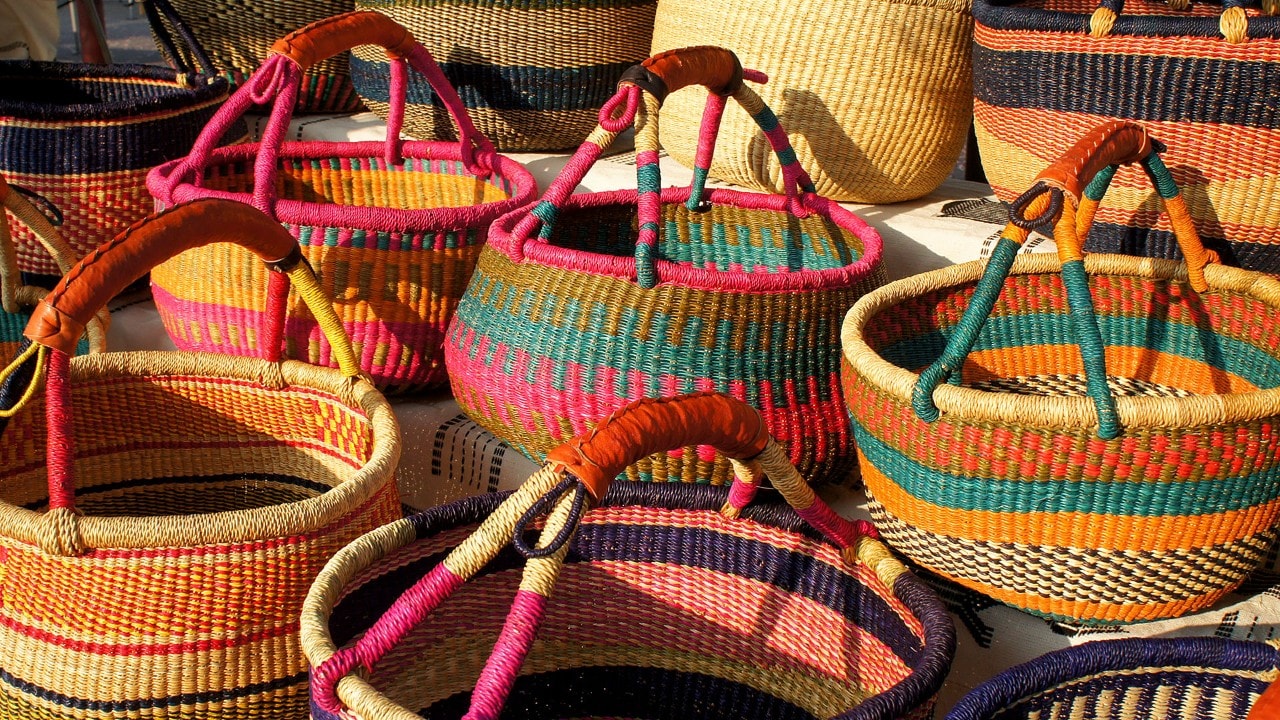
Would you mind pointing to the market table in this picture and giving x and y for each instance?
(447, 456)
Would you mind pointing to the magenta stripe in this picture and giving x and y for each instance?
(840, 531)
(503, 666)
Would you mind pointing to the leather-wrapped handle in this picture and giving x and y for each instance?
(59, 319)
(653, 425)
(716, 68)
(1113, 143)
(325, 38)
(1267, 707)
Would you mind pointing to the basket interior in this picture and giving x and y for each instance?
(413, 184)
(724, 238)
(657, 614)
(188, 445)
(1161, 337)
(1150, 693)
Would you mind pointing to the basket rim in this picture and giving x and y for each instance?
(1045, 672)
(202, 90)
(530, 251)
(377, 218)
(1008, 15)
(230, 526)
(922, 683)
(969, 405)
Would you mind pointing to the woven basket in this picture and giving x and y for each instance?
(532, 73)
(670, 601)
(875, 95)
(162, 514)
(238, 35)
(1135, 679)
(393, 228)
(1109, 453)
(1046, 72)
(722, 290)
(18, 298)
(84, 137)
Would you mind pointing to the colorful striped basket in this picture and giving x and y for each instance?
(162, 514)
(84, 136)
(1094, 440)
(532, 73)
(584, 303)
(1135, 679)
(671, 601)
(393, 228)
(238, 35)
(1205, 80)
(876, 94)
(18, 298)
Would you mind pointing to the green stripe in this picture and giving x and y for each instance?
(1137, 498)
(1010, 331)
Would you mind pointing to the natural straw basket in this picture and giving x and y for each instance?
(533, 74)
(1206, 80)
(393, 228)
(162, 514)
(670, 600)
(238, 35)
(585, 302)
(876, 95)
(1135, 679)
(17, 298)
(1111, 452)
(84, 136)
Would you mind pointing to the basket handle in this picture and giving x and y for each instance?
(160, 12)
(640, 94)
(1055, 199)
(575, 471)
(11, 199)
(1233, 24)
(60, 317)
(279, 79)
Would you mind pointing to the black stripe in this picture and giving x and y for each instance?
(1144, 242)
(1134, 87)
(88, 492)
(104, 706)
(77, 93)
(631, 692)
(500, 87)
(1007, 15)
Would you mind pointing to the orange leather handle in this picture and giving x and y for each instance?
(653, 425)
(1112, 143)
(59, 319)
(1268, 705)
(715, 67)
(325, 38)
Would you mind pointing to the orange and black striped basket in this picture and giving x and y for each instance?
(162, 514)
(1093, 438)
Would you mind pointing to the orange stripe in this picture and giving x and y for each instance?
(1124, 361)
(1129, 533)
(1256, 50)
(1048, 133)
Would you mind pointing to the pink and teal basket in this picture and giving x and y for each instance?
(584, 302)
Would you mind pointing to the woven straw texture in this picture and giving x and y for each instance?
(85, 136)
(1014, 494)
(392, 228)
(742, 294)
(18, 298)
(238, 35)
(876, 95)
(210, 501)
(532, 73)
(664, 608)
(1138, 679)
(1040, 80)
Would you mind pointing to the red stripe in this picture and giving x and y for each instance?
(129, 650)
